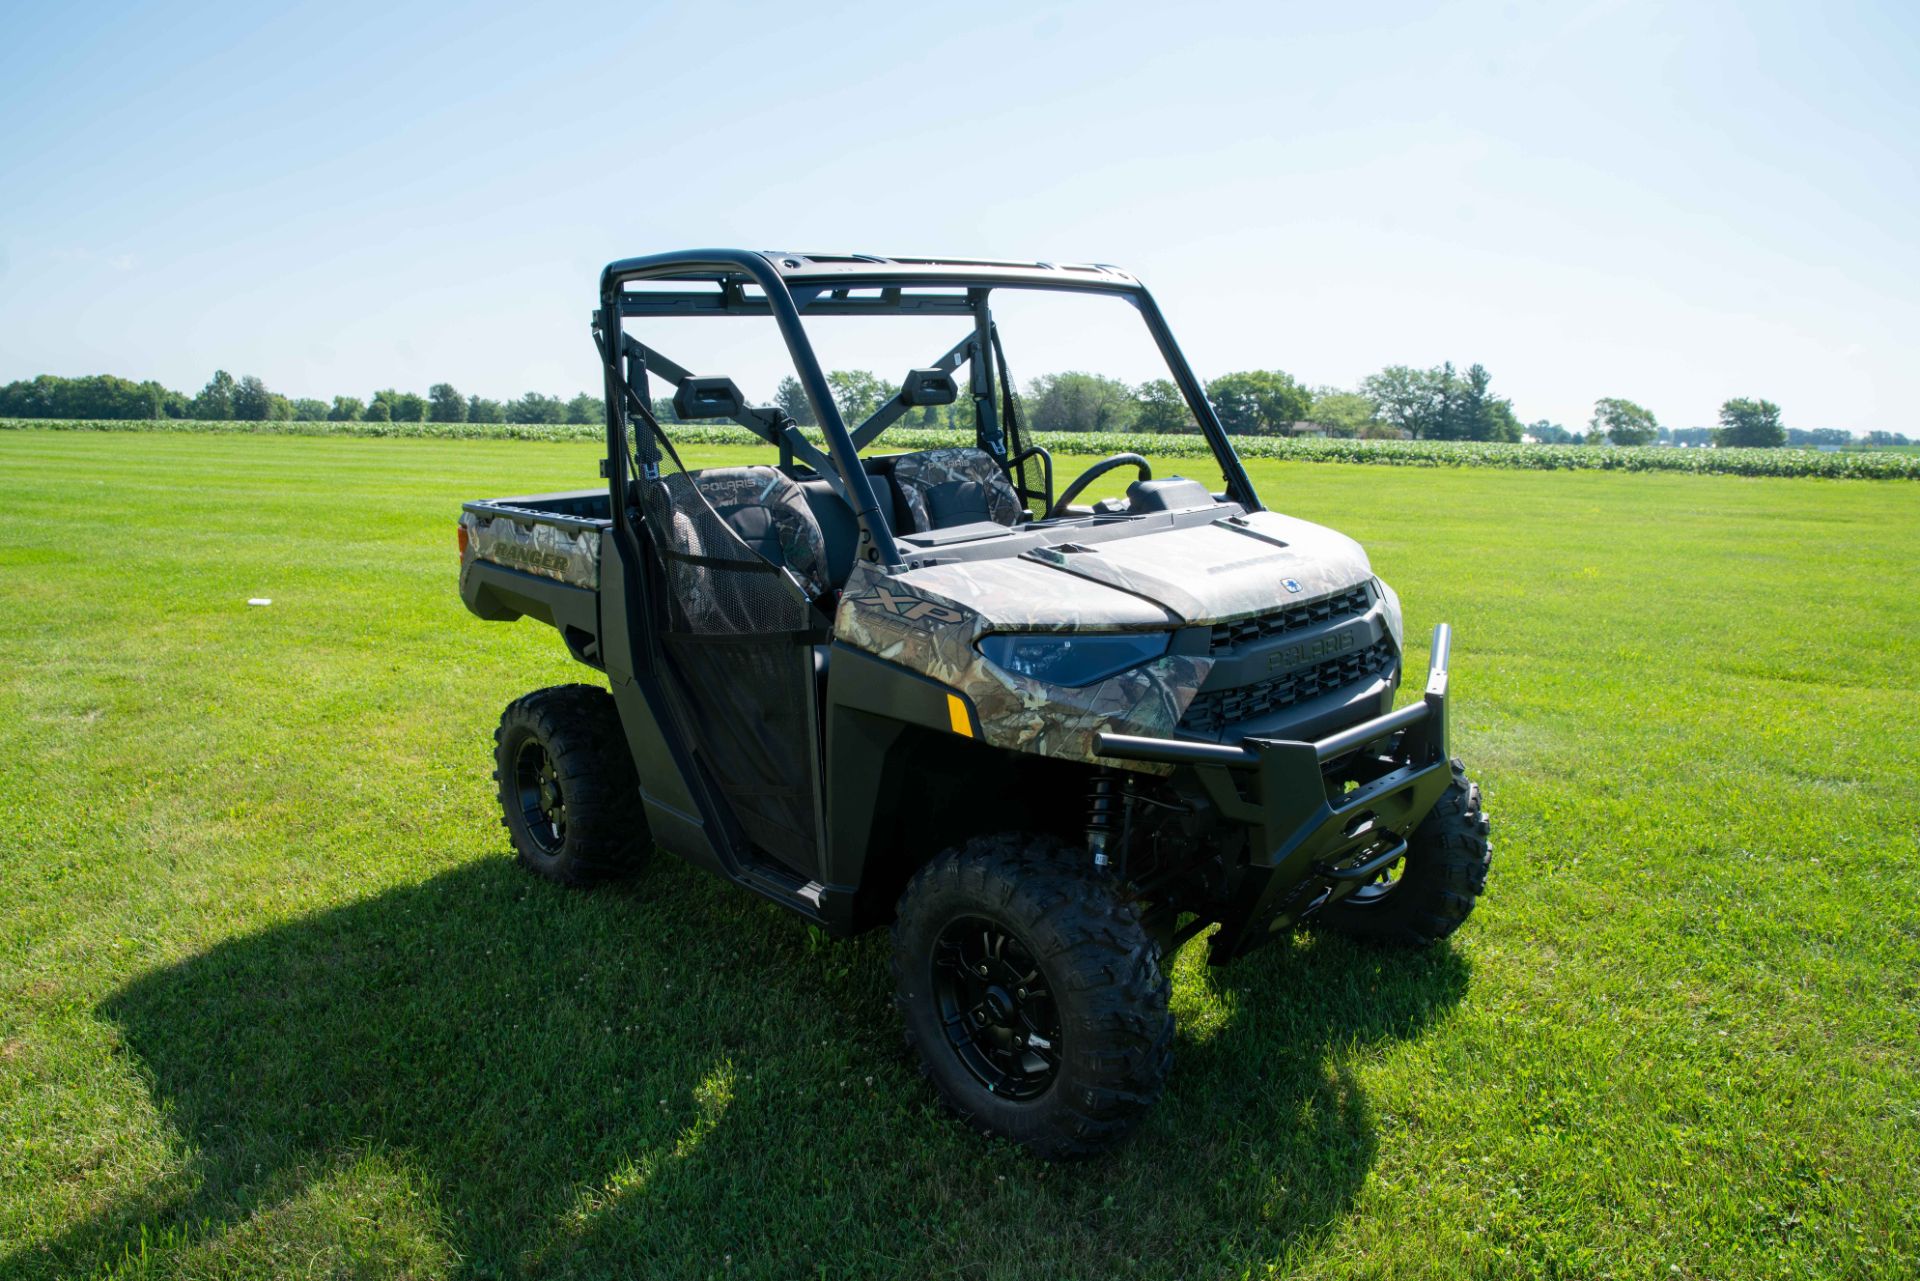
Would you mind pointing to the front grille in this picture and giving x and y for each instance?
(1292, 619)
(1210, 713)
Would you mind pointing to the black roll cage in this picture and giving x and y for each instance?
(790, 284)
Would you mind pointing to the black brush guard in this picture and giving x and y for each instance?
(1316, 834)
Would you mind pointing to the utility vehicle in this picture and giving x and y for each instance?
(1046, 740)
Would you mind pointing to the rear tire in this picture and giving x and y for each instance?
(1434, 887)
(1032, 994)
(569, 797)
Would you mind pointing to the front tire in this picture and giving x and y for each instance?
(1430, 893)
(1032, 994)
(569, 797)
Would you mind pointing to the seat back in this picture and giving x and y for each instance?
(940, 488)
(768, 511)
(837, 526)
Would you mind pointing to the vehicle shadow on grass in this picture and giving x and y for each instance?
(484, 1075)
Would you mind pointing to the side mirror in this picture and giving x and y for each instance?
(707, 398)
(929, 387)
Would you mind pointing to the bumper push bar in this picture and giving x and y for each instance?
(1324, 817)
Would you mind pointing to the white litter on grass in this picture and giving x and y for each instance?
(259, 600)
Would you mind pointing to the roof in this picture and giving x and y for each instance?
(836, 270)
(817, 266)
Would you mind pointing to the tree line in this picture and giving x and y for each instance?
(1436, 404)
(229, 399)
(1399, 402)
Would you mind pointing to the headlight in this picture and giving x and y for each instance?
(1067, 658)
(1392, 599)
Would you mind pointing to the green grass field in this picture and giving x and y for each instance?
(274, 1000)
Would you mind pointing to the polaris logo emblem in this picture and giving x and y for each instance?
(1291, 584)
(1311, 651)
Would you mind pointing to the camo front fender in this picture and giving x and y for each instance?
(910, 622)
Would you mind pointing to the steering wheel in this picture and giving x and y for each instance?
(1094, 473)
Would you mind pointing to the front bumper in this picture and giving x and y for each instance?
(1323, 817)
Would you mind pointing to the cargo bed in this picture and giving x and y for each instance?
(538, 557)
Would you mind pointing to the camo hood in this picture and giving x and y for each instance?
(1215, 573)
(930, 620)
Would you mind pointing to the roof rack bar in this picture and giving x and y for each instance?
(811, 300)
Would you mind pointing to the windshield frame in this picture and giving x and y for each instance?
(789, 288)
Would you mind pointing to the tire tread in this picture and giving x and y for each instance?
(1444, 875)
(606, 825)
(1112, 966)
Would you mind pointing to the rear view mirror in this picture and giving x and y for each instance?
(928, 387)
(707, 398)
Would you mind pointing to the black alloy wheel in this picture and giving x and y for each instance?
(994, 1004)
(1031, 992)
(569, 796)
(542, 807)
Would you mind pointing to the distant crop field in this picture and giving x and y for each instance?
(275, 1001)
(1854, 464)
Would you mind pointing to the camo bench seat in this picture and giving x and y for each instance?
(769, 512)
(941, 488)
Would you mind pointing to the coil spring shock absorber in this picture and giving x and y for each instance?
(1107, 810)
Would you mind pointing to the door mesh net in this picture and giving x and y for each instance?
(737, 635)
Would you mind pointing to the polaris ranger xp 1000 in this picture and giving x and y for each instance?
(1046, 740)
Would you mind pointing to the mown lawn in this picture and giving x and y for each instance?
(275, 1001)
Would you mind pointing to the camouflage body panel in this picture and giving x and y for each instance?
(930, 620)
(907, 619)
(963, 477)
(1223, 572)
(571, 556)
(1029, 595)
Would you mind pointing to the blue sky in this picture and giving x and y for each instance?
(1674, 203)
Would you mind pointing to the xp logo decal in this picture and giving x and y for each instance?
(909, 608)
(1291, 584)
